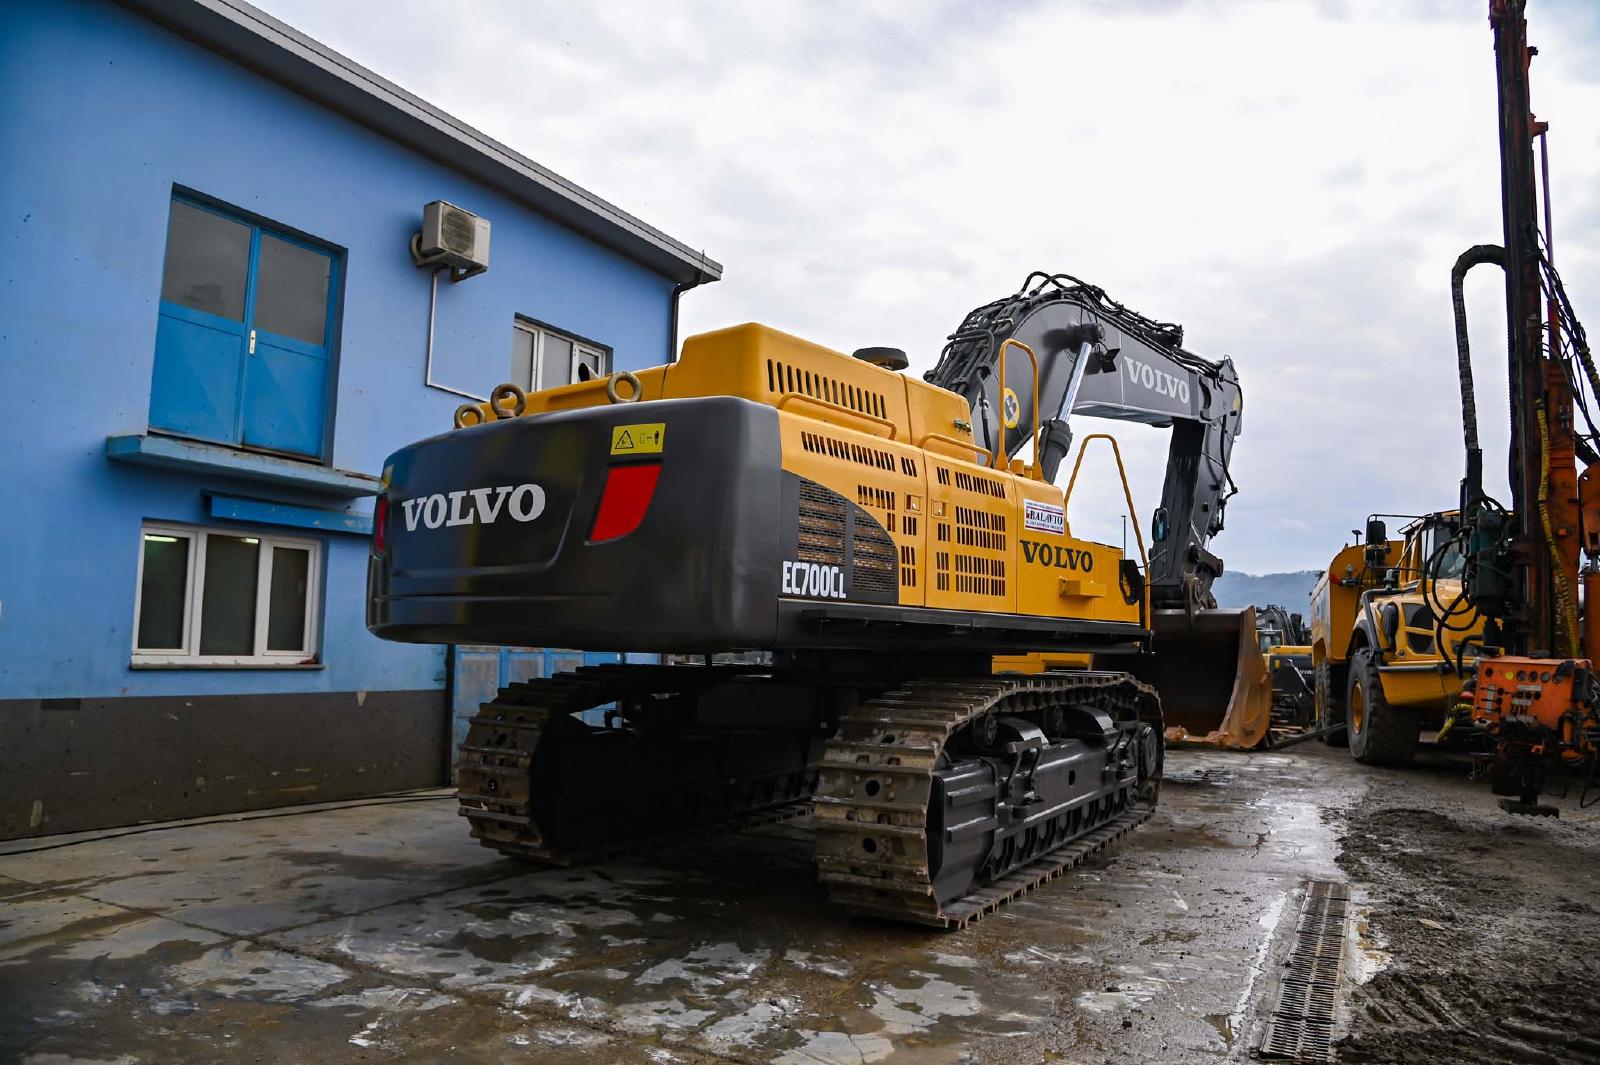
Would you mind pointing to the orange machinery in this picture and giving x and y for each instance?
(1534, 693)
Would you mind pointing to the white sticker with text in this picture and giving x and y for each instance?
(1044, 517)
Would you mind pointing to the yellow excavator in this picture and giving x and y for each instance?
(879, 540)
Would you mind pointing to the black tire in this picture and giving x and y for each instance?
(1379, 734)
(1330, 708)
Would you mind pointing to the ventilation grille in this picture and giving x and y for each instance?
(821, 538)
(908, 466)
(781, 377)
(908, 565)
(980, 529)
(868, 496)
(821, 444)
(980, 576)
(876, 560)
(968, 571)
(971, 482)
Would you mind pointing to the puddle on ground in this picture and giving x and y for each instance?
(1131, 988)
(240, 970)
(1269, 921)
(708, 967)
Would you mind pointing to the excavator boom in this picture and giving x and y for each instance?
(1099, 359)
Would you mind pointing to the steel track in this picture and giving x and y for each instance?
(876, 784)
(496, 765)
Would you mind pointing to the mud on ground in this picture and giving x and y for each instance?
(1491, 924)
(382, 932)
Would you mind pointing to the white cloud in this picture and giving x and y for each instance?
(1291, 180)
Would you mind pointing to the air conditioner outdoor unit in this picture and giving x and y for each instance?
(451, 235)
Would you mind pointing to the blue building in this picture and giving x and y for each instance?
(212, 332)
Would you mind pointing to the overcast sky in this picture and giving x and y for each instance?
(1290, 179)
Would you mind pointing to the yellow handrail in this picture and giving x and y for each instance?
(1127, 494)
(965, 445)
(999, 452)
(825, 404)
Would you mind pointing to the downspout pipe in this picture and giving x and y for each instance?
(672, 322)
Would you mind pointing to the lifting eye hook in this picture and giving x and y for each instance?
(635, 389)
(507, 400)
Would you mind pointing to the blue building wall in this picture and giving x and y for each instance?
(102, 115)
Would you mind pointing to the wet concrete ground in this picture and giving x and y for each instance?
(383, 932)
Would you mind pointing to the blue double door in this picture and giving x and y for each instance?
(244, 341)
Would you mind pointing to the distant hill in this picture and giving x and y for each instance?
(1234, 591)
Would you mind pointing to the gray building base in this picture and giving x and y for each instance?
(67, 765)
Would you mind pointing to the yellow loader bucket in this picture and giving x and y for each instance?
(1213, 680)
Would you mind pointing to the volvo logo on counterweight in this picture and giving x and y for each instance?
(474, 506)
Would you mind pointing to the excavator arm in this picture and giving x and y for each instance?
(1099, 359)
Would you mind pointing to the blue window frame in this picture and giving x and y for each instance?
(245, 339)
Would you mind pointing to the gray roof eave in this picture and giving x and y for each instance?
(276, 50)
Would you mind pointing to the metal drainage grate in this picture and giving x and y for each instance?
(1301, 1025)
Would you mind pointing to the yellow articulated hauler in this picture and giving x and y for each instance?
(1392, 636)
(876, 538)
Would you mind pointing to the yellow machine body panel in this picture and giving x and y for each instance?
(1285, 654)
(970, 537)
(1397, 621)
(1336, 601)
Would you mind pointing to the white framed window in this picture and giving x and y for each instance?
(222, 597)
(544, 358)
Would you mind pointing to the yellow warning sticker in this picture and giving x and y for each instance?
(645, 438)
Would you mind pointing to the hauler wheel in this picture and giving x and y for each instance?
(1379, 733)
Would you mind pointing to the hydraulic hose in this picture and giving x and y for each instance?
(1477, 255)
(1566, 602)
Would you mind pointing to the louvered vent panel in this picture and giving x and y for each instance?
(980, 531)
(980, 575)
(844, 450)
(908, 566)
(971, 482)
(782, 377)
(979, 528)
(821, 525)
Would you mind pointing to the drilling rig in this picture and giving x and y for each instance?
(1533, 691)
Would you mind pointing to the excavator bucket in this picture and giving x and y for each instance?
(1212, 678)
